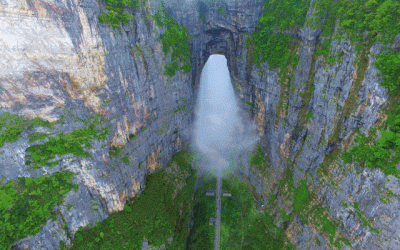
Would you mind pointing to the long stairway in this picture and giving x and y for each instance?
(218, 213)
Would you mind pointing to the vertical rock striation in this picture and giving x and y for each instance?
(59, 63)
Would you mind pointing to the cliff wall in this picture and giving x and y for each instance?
(62, 65)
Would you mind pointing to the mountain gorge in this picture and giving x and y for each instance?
(97, 108)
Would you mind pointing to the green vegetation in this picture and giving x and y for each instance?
(263, 234)
(140, 164)
(305, 99)
(201, 234)
(69, 207)
(381, 19)
(38, 136)
(27, 204)
(35, 122)
(11, 126)
(177, 38)
(301, 198)
(389, 65)
(388, 196)
(179, 109)
(350, 106)
(307, 207)
(379, 155)
(202, 11)
(137, 50)
(132, 137)
(125, 160)
(40, 154)
(155, 214)
(364, 220)
(323, 49)
(117, 14)
(115, 151)
(258, 159)
(162, 130)
(268, 42)
(222, 11)
(242, 227)
(251, 105)
(286, 79)
(309, 116)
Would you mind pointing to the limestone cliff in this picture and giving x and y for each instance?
(62, 65)
(57, 57)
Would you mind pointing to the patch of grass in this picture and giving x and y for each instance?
(309, 116)
(179, 109)
(222, 11)
(38, 136)
(251, 105)
(10, 135)
(115, 151)
(27, 204)
(270, 44)
(11, 126)
(323, 49)
(73, 143)
(238, 217)
(132, 137)
(258, 159)
(201, 234)
(154, 214)
(365, 221)
(301, 198)
(286, 79)
(262, 233)
(378, 155)
(176, 38)
(117, 14)
(306, 205)
(39, 122)
(137, 50)
(389, 65)
(380, 19)
(69, 207)
(162, 130)
(140, 164)
(125, 160)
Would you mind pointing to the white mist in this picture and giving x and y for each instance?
(221, 135)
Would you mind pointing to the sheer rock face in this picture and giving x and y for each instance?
(56, 56)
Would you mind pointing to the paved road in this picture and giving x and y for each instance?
(218, 214)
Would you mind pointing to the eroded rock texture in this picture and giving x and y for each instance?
(56, 56)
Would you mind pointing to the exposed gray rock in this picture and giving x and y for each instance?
(125, 68)
(48, 238)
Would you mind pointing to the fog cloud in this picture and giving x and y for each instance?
(221, 135)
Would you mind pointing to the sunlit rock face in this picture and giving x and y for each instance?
(57, 61)
(55, 56)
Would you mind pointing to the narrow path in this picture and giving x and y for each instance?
(218, 213)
